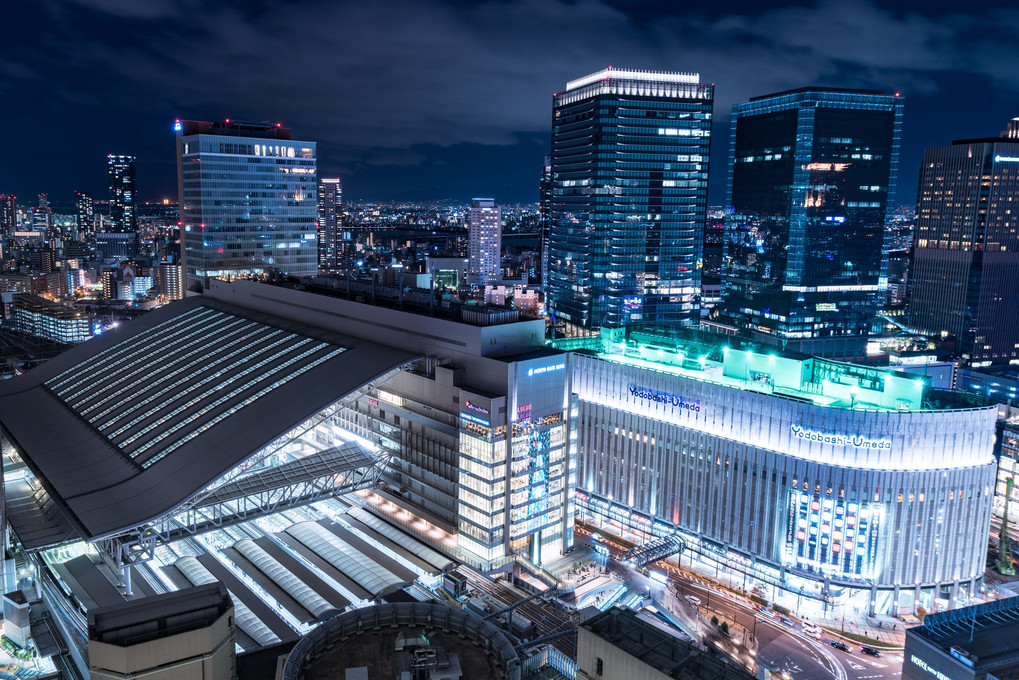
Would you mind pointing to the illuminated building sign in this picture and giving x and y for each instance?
(832, 536)
(546, 369)
(475, 407)
(474, 419)
(856, 440)
(917, 661)
(662, 398)
(524, 412)
(373, 401)
(1006, 159)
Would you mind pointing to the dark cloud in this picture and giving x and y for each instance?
(387, 83)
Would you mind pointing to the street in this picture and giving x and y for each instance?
(783, 645)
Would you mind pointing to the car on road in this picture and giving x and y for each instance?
(694, 600)
(840, 645)
(812, 631)
(867, 649)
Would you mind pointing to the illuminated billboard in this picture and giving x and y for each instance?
(832, 536)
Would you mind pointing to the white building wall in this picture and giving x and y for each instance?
(720, 463)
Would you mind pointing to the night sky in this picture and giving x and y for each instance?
(433, 99)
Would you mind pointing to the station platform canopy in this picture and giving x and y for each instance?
(129, 426)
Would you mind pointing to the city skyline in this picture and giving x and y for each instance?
(431, 109)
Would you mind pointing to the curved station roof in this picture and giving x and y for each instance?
(125, 428)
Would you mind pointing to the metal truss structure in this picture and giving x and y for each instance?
(258, 487)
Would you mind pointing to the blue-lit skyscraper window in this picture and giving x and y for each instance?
(248, 201)
(629, 170)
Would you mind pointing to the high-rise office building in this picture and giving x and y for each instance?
(123, 198)
(42, 214)
(965, 248)
(629, 198)
(248, 200)
(84, 216)
(545, 216)
(330, 224)
(119, 238)
(485, 234)
(8, 214)
(811, 172)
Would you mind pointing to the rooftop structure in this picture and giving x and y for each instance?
(610, 74)
(623, 643)
(354, 639)
(731, 362)
(981, 641)
(185, 634)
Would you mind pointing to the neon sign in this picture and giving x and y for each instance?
(856, 440)
(474, 419)
(475, 407)
(663, 398)
(546, 369)
(1006, 159)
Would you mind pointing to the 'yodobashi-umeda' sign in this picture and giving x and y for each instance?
(675, 400)
(839, 439)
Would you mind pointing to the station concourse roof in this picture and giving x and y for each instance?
(126, 427)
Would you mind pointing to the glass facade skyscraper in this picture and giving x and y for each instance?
(84, 217)
(811, 173)
(629, 169)
(248, 200)
(120, 239)
(966, 250)
(8, 214)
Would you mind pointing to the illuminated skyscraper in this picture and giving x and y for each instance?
(810, 176)
(42, 214)
(963, 280)
(629, 198)
(84, 216)
(8, 214)
(485, 240)
(545, 216)
(248, 200)
(330, 224)
(120, 237)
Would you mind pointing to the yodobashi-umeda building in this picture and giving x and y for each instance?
(799, 472)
